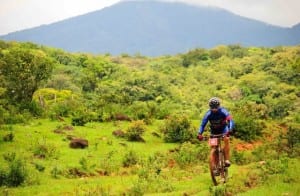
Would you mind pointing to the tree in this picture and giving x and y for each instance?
(194, 56)
(23, 71)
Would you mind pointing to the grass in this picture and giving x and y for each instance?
(286, 183)
(82, 186)
(50, 175)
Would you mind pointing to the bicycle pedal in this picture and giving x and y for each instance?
(216, 173)
(227, 164)
(223, 180)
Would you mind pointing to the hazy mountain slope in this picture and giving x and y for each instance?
(155, 28)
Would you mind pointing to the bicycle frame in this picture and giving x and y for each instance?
(216, 160)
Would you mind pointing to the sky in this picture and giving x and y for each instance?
(22, 14)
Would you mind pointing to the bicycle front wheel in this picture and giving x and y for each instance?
(223, 169)
(213, 166)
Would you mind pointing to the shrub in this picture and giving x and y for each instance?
(151, 183)
(240, 158)
(151, 179)
(2, 177)
(60, 109)
(35, 109)
(86, 164)
(4, 114)
(190, 154)
(44, 150)
(8, 137)
(263, 152)
(17, 118)
(130, 158)
(40, 167)
(178, 129)
(79, 121)
(142, 111)
(109, 163)
(56, 172)
(82, 118)
(293, 137)
(218, 190)
(247, 128)
(135, 131)
(16, 173)
(274, 167)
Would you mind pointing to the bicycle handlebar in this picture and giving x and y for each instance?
(205, 138)
(217, 135)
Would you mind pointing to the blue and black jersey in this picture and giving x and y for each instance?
(220, 121)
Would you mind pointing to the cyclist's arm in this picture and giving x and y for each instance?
(204, 122)
(228, 119)
(230, 124)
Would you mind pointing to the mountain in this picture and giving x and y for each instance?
(156, 28)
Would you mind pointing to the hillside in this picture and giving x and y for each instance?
(138, 117)
(155, 28)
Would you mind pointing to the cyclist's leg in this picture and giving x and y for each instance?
(226, 146)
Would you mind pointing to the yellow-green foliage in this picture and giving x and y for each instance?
(49, 96)
(259, 86)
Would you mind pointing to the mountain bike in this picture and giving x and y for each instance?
(218, 171)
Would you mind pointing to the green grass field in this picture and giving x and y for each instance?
(53, 168)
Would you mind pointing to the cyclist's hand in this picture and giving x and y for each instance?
(200, 137)
(228, 133)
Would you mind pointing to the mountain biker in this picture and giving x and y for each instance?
(220, 121)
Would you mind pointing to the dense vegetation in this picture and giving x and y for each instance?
(161, 100)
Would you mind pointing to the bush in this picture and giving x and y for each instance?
(40, 167)
(35, 109)
(44, 150)
(293, 138)
(130, 158)
(191, 154)
(263, 152)
(247, 128)
(178, 129)
(143, 111)
(218, 190)
(82, 118)
(8, 137)
(109, 163)
(240, 158)
(60, 109)
(56, 172)
(16, 173)
(135, 131)
(84, 163)
(151, 178)
(4, 114)
(2, 177)
(274, 167)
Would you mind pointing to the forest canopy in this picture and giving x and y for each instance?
(261, 84)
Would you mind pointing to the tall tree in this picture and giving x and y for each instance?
(23, 70)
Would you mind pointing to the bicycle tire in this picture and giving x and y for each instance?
(224, 170)
(212, 166)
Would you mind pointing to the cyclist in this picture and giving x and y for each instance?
(220, 121)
